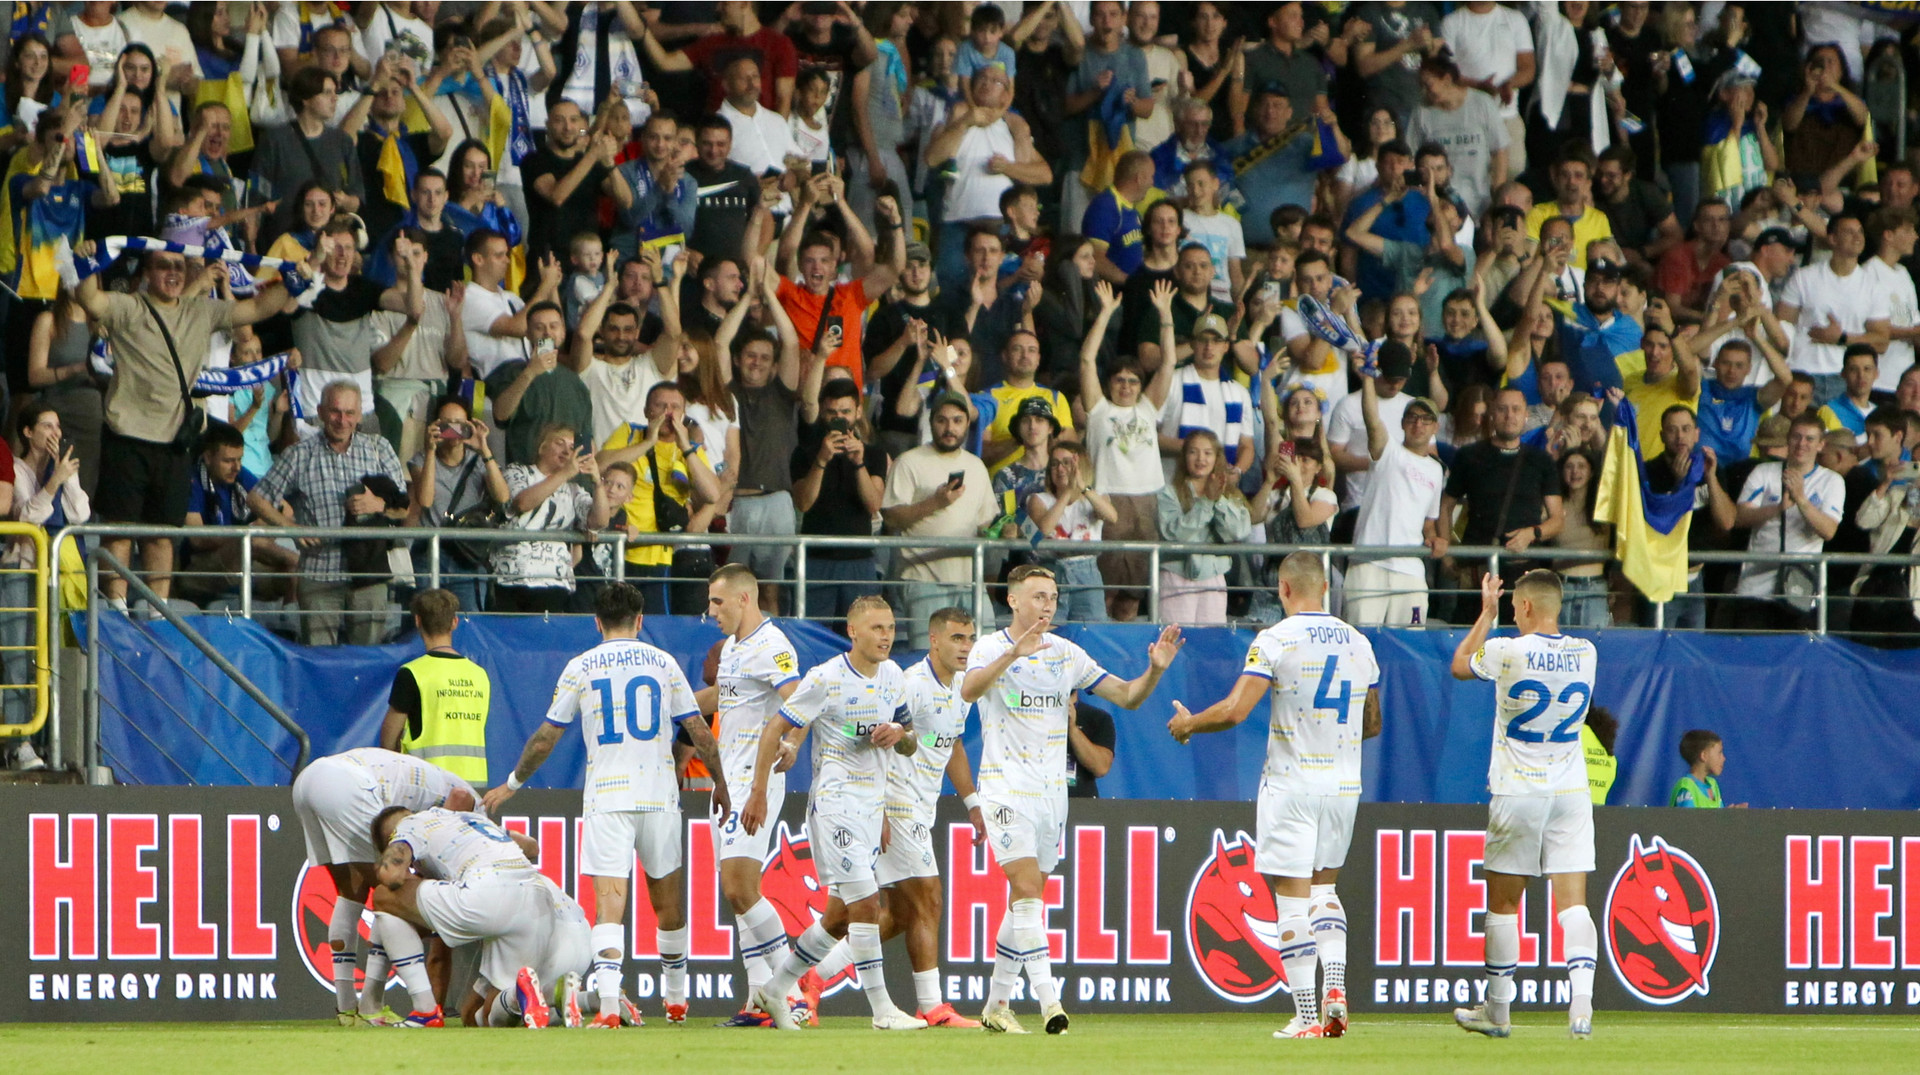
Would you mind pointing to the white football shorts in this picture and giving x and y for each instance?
(846, 848)
(1026, 828)
(609, 842)
(336, 802)
(909, 854)
(1531, 835)
(1300, 834)
(731, 840)
(518, 921)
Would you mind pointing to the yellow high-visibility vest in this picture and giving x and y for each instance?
(454, 697)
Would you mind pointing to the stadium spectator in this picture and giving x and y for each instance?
(1466, 127)
(1271, 171)
(337, 476)
(1730, 408)
(335, 331)
(1287, 57)
(1689, 270)
(991, 149)
(1428, 271)
(1112, 221)
(1068, 508)
(1640, 215)
(762, 137)
(1021, 361)
(567, 176)
(1894, 235)
(740, 33)
(1401, 218)
(1884, 593)
(823, 310)
(839, 480)
(1110, 87)
(390, 151)
(1020, 475)
(1209, 225)
(217, 498)
(1205, 397)
(1123, 436)
(1848, 411)
(1832, 305)
(979, 309)
(727, 222)
(1068, 307)
(57, 366)
(45, 491)
(1583, 583)
(455, 475)
(1199, 506)
(1192, 301)
(1161, 226)
(1511, 491)
(1090, 745)
(876, 104)
(673, 480)
(310, 148)
(1399, 507)
(772, 404)
(666, 198)
(1191, 143)
(1573, 201)
(538, 575)
(1493, 46)
(937, 490)
(1793, 505)
(1295, 503)
(424, 343)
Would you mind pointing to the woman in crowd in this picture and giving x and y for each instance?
(1199, 507)
(1684, 82)
(454, 476)
(1123, 433)
(58, 370)
(1466, 421)
(880, 112)
(1068, 306)
(954, 371)
(1295, 501)
(1530, 342)
(137, 128)
(47, 493)
(1160, 231)
(537, 576)
(704, 380)
(1405, 323)
(29, 90)
(1213, 66)
(1071, 509)
(1585, 582)
(1361, 170)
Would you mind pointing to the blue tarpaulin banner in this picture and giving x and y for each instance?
(1809, 722)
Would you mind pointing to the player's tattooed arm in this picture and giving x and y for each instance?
(395, 863)
(708, 750)
(1370, 717)
(539, 745)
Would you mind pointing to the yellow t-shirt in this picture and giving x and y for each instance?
(1650, 401)
(1000, 443)
(1593, 224)
(672, 467)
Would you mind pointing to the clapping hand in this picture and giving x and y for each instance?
(1161, 653)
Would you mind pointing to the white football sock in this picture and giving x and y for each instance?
(1329, 922)
(926, 990)
(673, 963)
(1030, 937)
(608, 937)
(1502, 955)
(1583, 948)
(863, 939)
(837, 960)
(373, 988)
(1298, 955)
(343, 935)
(808, 950)
(763, 942)
(1006, 965)
(409, 957)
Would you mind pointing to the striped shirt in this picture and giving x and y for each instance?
(316, 480)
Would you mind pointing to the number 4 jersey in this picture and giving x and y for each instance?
(1321, 670)
(629, 698)
(1542, 685)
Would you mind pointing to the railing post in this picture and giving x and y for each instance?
(1659, 615)
(982, 604)
(246, 576)
(90, 711)
(800, 579)
(620, 556)
(1153, 584)
(1820, 598)
(51, 595)
(433, 561)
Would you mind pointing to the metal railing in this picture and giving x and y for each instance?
(38, 603)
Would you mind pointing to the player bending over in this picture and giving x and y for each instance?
(858, 703)
(628, 696)
(1310, 663)
(1023, 678)
(336, 799)
(1540, 819)
(476, 883)
(758, 672)
(909, 870)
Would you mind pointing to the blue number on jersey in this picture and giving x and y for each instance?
(489, 830)
(1324, 698)
(609, 733)
(1567, 731)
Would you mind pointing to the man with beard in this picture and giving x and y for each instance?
(617, 373)
(568, 175)
(722, 281)
(1193, 300)
(821, 308)
(1641, 216)
(665, 197)
(1517, 510)
(892, 349)
(938, 490)
(377, 124)
(1596, 332)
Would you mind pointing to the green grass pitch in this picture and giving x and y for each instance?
(1622, 1042)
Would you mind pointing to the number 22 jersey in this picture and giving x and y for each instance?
(1321, 670)
(1542, 685)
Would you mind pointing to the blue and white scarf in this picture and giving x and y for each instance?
(514, 88)
(74, 268)
(1195, 414)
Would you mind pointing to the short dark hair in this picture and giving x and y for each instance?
(621, 309)
(818, 238)
(713, 121)
(477, 241)
(1012, 195)
(1856, 349)
(1605, 726)
(1889, 418)
(220, 435)
(1695, 743)
(435, 610)
(458, 401)
(380, 819)
(1395, 146)
(1309, 257)
(1320, 220)
(428, 173)
(540, 307)
(1677, 408)
(1623, 156)
(662, 386)
(1427, 150)
(618, 604)
(986, 17)
(306, 84)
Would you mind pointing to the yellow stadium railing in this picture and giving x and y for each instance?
(42, 664)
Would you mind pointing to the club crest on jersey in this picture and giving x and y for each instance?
(789, 882)
(1233, 930)
(784, 661)
(313, 900)
(1663, 923)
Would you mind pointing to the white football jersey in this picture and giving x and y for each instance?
(939, 716)
(849, 772)
(1023, 716)
(752, 671)
(1321, 670)
(1542, 685)
(629, 698)
(404, 780)
(449, 846)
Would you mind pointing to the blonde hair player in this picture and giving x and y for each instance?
(1309, 663)
(1023, 678)
(1540, 820)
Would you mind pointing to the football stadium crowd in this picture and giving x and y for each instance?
(1544, 276)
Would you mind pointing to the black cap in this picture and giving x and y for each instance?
(1604, 267)
(1774, 235)
(1395, 359)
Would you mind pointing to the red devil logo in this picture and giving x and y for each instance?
(1233, 931)
(313, 900)
(789, 881)
(1663, 923)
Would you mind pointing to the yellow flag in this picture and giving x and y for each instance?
(1655, 563)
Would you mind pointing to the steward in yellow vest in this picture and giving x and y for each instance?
(437, 708)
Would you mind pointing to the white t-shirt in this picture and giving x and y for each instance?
(1077, 522)
(762, 142)
(103, 45)
(540, 563)
(1403, 494)
(1224, 240)
(1542, 685)
(843, 706)
(629, 697)
(752, 671)
(1321, 669)
(1826, 490)
(1023, 716)
(388, 25)
(622, 57)
(485, 351)
(1347, 427)
(1126, 448)
(461, 847)
(714, 427)
(939, 716)
(1903, 311)
(620, 390)
(1854, 299)
(1487, 46)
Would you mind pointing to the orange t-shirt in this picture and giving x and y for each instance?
(849, 303)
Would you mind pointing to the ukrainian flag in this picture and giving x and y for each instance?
(1650, 529)
(87, 157)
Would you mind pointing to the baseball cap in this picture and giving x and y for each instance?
(1036, 407)
(1604, 267)
(1395, 359)
(1774, 235)
(1772, 432)
(919, 252)
(950, 399)
(1424, 404)
(1211, 322)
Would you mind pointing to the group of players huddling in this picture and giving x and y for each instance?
(406, 840)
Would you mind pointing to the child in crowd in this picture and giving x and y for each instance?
(1706, 758)
(586, 275)
(983, 46)
(253, 408)
(811, 136)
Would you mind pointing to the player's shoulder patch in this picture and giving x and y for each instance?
(786, 661)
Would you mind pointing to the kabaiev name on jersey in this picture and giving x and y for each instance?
(1553, 660)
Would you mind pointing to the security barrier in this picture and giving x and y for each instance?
(35, 648)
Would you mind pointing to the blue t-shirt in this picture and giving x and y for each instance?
(1729, 417)
(1590, 349)
(1117, 224)
(216, 504)
(969, 59)
(1845, 411)
(1404, 220)
(1270, 177)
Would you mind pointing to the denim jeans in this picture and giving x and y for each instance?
(1083, 596)
(1584, 603)
(1688, 611)
(923, 599)
(834, 585)
(1827, 387)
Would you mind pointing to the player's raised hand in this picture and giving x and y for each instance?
(493, 800)
(1181, 724)
(1160, 655)
(754, 814)
(1032, 641)
(1490, 594)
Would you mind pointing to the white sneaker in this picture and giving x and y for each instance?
(22, 758)
(777, 1010)
(1580, 1029)
(116, 604)
(1055, 1018)
(1475, 1020)
(1299, 1027)
(898, 1020)
(1001, 1020)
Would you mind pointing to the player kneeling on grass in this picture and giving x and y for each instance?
(909, 870)
(1309, 663)
(858, 702)
(1540, 819)
(628, 697)
(476, 882)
